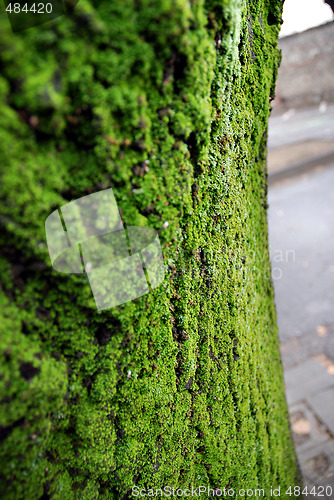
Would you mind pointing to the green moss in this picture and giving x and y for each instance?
(85, 101)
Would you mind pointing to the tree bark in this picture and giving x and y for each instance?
(167, 103)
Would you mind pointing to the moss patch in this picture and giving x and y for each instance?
(86, 103)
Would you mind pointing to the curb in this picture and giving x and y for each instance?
(300, 167)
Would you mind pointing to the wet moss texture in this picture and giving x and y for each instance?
(166, 102)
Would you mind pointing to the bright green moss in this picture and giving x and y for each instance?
(85, 101)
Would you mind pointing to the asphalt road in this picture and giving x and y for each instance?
(301, 232)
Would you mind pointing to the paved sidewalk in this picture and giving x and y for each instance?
(301, 232)
(310, 396)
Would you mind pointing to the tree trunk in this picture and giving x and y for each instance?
(167, 103)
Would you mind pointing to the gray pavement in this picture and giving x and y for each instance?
(301, 235)
(301, 231)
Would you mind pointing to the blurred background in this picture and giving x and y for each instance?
(301, 230)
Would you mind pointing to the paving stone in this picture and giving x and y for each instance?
(299, 349)
(317, 466)
(305, 380)
(307, 431)
(323, 405)
(322, 486)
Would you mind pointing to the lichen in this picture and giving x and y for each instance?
(85, 103)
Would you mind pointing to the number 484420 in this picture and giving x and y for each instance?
(39, 8)
(319, 491)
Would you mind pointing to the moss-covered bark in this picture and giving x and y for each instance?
(182, 386)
